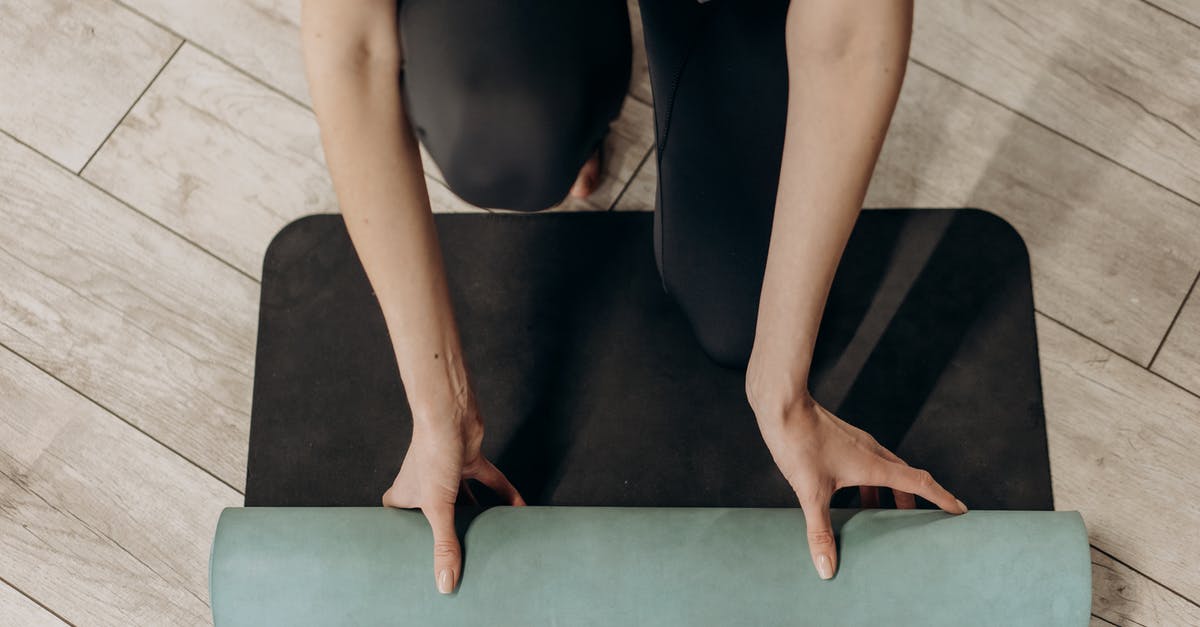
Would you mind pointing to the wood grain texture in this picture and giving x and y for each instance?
(1116, 76)
(1122, 452)
(261, 37)
(207, 148)
(1125, 597)
(71, 69)
(143, 322)
(640, 193)
(1185, 10)
(1113, 254)
(217, 157)
(17, 609)
(99, 521)
(1179, 359)
(639, 79)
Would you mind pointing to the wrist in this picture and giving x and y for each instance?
(776, 388)
(438, 391)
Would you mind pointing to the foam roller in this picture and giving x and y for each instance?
(609, 566)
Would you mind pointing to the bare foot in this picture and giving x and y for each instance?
(588, 179)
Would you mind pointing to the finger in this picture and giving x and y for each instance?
(490, 476)
(904, 500)
(917, 481)
(447, 555)
(821, 543)
(868, 496)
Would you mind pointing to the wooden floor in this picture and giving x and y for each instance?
(149, 149)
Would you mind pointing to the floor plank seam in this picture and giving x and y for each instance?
(1194, 202)
(120, 200)
(1147, 577)
(1178, 312)
(1176, 16)
(118, 416)
(35, 601)
(625, 187)
(1117, 353)
(210, 53)
(131, 106)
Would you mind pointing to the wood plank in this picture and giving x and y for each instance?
(262, 37)
(1187, 10)
(1116, 76)
(208, 147)
(100, 522)
(1179, 359)
(139, 320)
(17, 609)
(639, 79)
(1113, 254)
(1122, 453)
(640, 193)
(71, 69)
(1125, 597)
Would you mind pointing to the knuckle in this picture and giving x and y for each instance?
(445, 549)
(820, 537)
(925, 479)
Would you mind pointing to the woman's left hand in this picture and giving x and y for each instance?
(820, 453)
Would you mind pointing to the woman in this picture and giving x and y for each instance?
(769, 119)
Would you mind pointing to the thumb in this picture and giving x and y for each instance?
(821, 543)
(447, 555)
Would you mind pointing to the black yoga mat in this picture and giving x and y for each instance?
(595, 392)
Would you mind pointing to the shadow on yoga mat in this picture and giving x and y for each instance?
(595, 392)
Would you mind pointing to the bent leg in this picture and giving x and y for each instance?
(511, 97)
(719, 77)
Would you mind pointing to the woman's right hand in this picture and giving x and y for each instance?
(443, 453)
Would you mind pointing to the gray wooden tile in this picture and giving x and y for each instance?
(217, 157)
(1179, 359)
(222, 160)
(261, 37)
(71, 69)
(1125, 597)
(1122, 452)
(141, 321)
(1116, 76)
(19, 610)
(99, 521)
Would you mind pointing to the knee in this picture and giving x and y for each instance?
(508, 157)
(509, 114)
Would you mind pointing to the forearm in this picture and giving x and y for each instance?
(846, 63)
(352, 64)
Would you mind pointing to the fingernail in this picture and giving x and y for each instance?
(824, 567)
(446, 581)
(961, 506)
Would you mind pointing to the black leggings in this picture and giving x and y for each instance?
(511, 97)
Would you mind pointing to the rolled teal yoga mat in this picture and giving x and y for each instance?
(582, 566)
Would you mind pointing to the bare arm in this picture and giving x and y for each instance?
(846, 63)
(352, 60)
